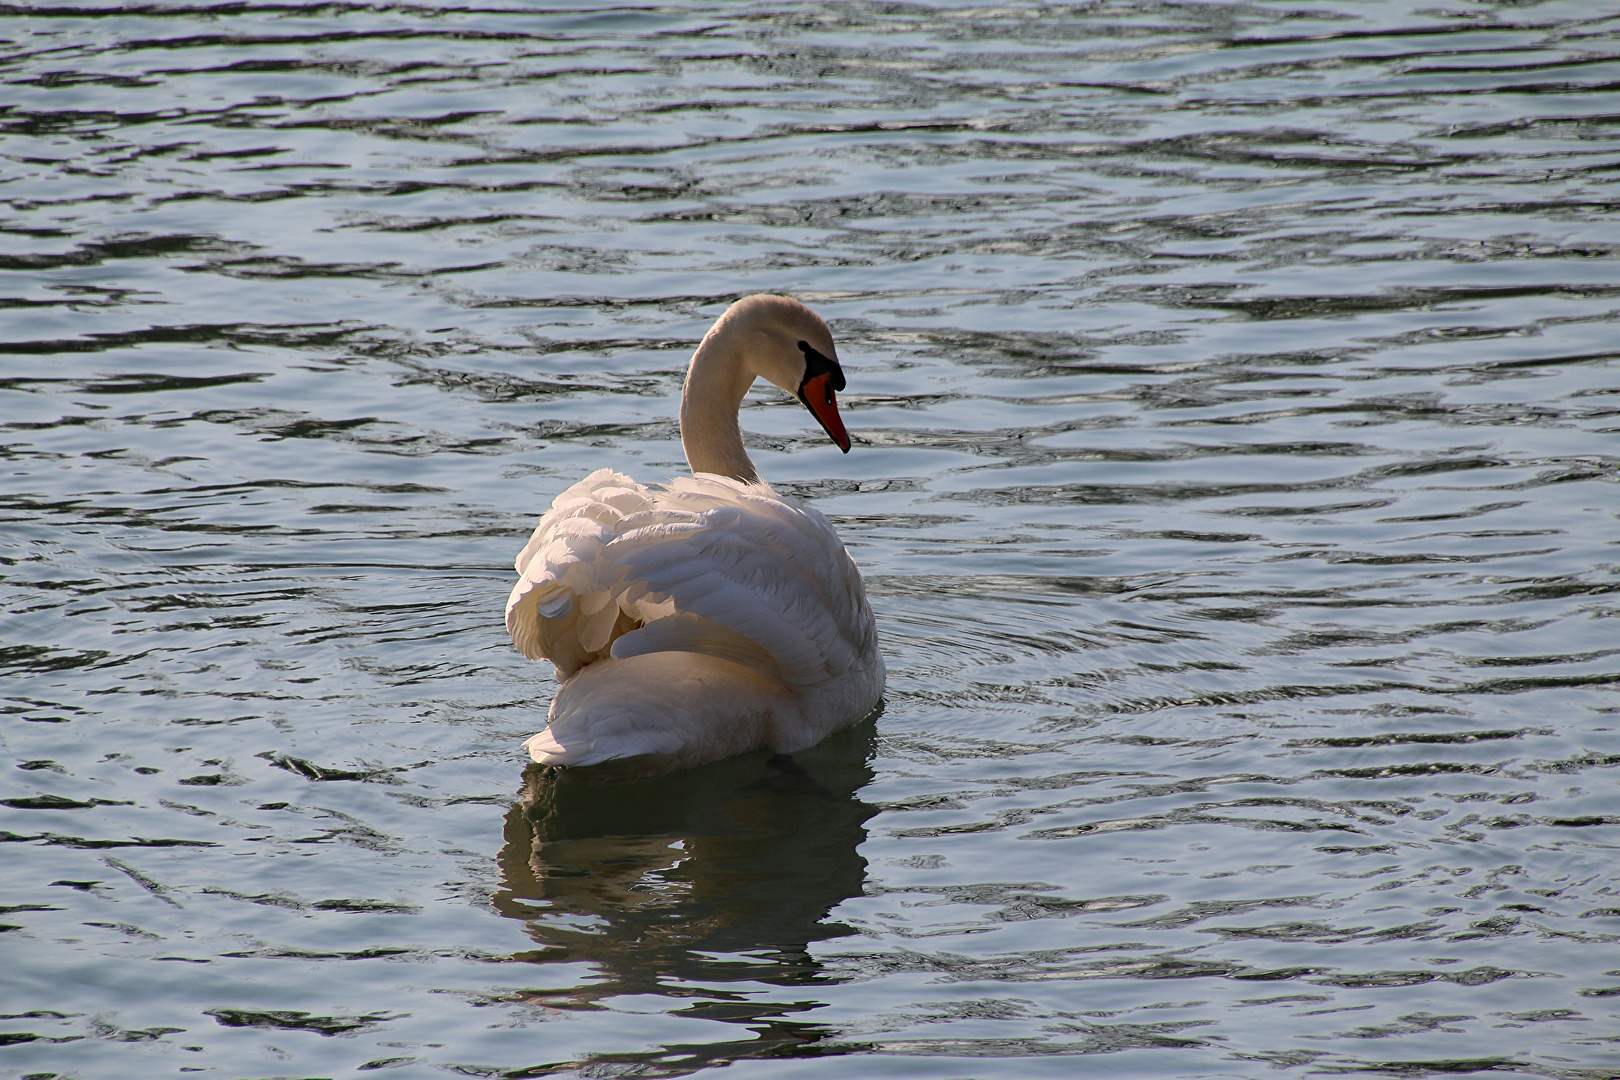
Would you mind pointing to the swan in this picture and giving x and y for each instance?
(710, 616)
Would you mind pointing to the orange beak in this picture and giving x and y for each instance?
(817, 395)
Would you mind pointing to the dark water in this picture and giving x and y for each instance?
(1236, 403)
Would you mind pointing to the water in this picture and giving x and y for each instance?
(1234, 388)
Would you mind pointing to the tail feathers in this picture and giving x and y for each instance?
(545, 748)
(669, 709)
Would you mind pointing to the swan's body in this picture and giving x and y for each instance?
(712, 616)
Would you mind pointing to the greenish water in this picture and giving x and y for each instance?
(1234, 394)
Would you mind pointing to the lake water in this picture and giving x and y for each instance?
(1235, 396)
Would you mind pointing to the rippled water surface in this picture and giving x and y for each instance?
(1235, 398)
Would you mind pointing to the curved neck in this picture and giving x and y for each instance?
(716, 384)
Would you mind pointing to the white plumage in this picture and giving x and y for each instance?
(711, 616)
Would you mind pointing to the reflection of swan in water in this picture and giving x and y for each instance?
(719, 875)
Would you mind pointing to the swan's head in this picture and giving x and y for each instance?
(786, 343)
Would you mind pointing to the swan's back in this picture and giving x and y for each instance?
(706, 576)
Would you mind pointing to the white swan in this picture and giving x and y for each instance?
(712, 616)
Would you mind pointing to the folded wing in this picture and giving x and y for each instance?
(708, 565)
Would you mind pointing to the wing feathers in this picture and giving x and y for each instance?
(688, 632)
(707, 565)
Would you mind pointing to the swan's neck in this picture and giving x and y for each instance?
(716, 384)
